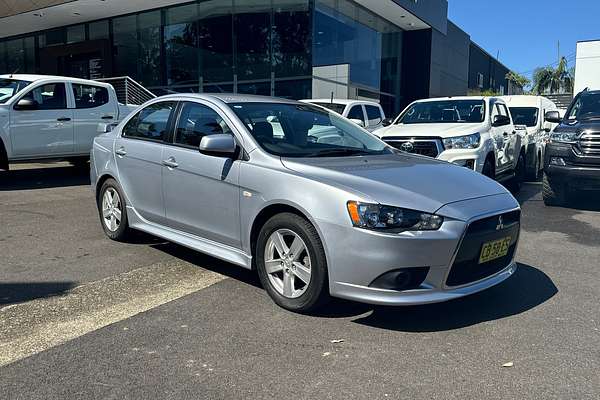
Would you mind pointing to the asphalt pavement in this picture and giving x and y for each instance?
(82, 317)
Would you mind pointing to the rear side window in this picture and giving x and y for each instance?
(87, 96)
(373, 115)
(356, 112)
(51, 96)
(195, 122)
(151, 123)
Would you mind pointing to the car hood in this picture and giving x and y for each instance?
(591, 125)
(400, 180)
(430, 130)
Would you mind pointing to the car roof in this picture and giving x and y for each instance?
(341, 101)
(229, 98)
(456, 98)
(523, 100)
(40, 78)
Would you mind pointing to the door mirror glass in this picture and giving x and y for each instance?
(553, 117)
(26, 104)
(105, 128)
(387, 122)
(358, 122)
(501, 120)
(218, 145)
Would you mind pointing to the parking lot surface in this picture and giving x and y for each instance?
(84, 317)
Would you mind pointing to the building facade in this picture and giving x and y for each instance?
(391, 51)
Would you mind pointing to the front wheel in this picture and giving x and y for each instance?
(517, 181)
(291, 263)
(112, 210)
(554, 194)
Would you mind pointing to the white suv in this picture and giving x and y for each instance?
(474, 132)
(367, 114)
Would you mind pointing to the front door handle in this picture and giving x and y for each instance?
(120, 152)
(107, 117)
(63, 119)
(170, 162)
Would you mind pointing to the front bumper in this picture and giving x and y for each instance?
(575, 170)
(471, 158)
(357, 257)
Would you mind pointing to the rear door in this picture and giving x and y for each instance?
(201, 191)
(47, 130)
(139, 158)
(92, 106)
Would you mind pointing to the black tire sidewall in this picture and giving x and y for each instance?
(121, 233)
(317, 292)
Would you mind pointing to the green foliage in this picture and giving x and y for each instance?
(518, 79)
(553, 80)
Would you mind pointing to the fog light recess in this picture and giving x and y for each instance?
(401, 279)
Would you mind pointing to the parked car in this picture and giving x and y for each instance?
(367, 114)
(473, 132)
(356, 220)
(529, 111)
(52, 117)
(572, 159)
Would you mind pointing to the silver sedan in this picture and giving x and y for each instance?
(317, 205)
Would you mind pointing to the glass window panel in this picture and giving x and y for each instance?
(149, 68)
(3, 67)
(261, 88)
(88, 96)
(291, 41)
(181, 45)
(300, 89)
(98, 30)
(218, 88)
(75, 33)
(56, 37)
(197, 121)
(52, 96)
(15, 56)
(252, 35)
(150, 123)
(215, 33)
(29, 54)
(125, 46)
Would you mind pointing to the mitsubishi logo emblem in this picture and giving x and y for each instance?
(500, 225)
(408, 147)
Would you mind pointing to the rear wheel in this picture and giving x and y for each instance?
(554, 194)
(517, 181)
(112, 210)
(533, 172)
(488, 168)
(291, 263)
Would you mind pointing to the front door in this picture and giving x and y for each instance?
(139, 155)
(201, 191)
(47, 130)
(501, 138)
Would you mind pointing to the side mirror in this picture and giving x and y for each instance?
(358, 122)
(387, 122)
(501, 120)
(553, 117)
(105, 128)
(26, 104)
(218, 145)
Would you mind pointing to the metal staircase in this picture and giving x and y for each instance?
(128, 90)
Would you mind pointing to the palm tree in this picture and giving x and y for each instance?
(553, 80)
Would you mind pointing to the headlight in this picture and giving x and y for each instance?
(463, 142)
(563, 137)
(391, 219)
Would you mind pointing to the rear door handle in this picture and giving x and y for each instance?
(120, 152)
(63, 119)
(107, 117)
(170, 162)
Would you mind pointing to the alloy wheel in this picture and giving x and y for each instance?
(111, 209)
(287, 263)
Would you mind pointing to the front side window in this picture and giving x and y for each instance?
(10, 87)
(150, 123)
(195, 122)
(444, 112)
(303, 130)
(87, 96)
(527, 116)
(585, 106)
(356, 112)
(51, 96)
(373, 115)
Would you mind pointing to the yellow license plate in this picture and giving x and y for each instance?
(495, 249)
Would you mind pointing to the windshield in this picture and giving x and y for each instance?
(585, 106)
(10, 87)
(303, 130)
(444, 112)
(338, 108)
(527, 116)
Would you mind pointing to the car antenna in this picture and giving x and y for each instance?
(331, 97)
(15, 71)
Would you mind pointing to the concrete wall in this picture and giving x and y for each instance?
(449, 62)
(587, 66)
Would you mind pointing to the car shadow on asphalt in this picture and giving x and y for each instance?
(21, 292)
(42, 177)
(526, 289)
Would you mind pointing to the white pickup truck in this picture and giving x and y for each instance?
(51, 117)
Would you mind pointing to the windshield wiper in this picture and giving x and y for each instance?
(344, 151)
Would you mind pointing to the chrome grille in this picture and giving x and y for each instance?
(589, 143)
(428, 147)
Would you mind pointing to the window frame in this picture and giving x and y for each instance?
(169, 128)
(379, 111)
(179, 112)
(73, 84)
(362, 108)
(69, 101)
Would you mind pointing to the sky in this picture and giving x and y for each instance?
(526, 32)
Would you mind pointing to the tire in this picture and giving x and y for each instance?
(297, 282)
(554, 195)
(488, 168)
(3, 157)
(109, 212)
(519, 178)
(533, 173)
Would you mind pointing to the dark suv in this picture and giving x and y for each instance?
(572, 159)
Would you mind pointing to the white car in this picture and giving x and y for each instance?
(367, 114)
(474, 132)
(528, 112)
(52, 117)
